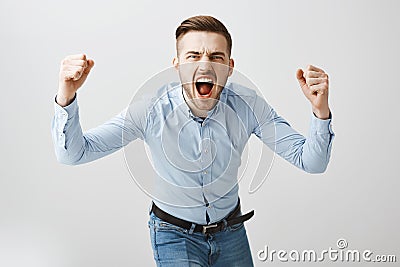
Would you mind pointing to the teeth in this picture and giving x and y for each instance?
(205, 80)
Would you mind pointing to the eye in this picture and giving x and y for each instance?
(192, 57)
(216, 58)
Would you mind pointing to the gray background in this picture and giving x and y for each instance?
(95, 215)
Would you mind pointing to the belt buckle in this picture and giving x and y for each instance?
(205, 227)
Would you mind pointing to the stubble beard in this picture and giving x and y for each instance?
(199, 106)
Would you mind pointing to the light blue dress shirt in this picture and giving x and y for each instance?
(196, 160)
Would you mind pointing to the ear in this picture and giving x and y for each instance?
(175, 63)
(231, 66)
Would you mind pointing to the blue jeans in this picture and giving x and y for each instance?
(174, 246)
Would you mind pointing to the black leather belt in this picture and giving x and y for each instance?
(231, 219)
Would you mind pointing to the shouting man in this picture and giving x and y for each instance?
(196, 131)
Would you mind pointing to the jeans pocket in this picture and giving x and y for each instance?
(165, 226)
(161, 225)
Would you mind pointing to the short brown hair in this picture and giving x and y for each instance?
(204, 23)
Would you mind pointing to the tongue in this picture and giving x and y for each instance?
(204, 88)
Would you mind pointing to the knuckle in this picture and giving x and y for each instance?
(64, 74)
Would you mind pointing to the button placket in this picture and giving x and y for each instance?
(205, 156)
(208, 157)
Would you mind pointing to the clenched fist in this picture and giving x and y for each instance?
(315, 85)
(73, 73)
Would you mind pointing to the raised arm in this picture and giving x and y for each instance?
(310, 154)
(71, 145)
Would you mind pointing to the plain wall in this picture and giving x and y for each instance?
(95, 215)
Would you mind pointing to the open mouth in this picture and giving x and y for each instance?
(204, 86)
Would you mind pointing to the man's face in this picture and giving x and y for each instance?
(204, 66)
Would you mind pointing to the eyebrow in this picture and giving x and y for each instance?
(217, 53)
(193, 52)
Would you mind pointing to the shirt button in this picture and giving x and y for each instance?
(205, 150)
(205, 172)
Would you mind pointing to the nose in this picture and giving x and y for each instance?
(205, 64)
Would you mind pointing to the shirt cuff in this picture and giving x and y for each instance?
(67, 111)
(321, 126)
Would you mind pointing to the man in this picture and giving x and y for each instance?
(196, 131)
